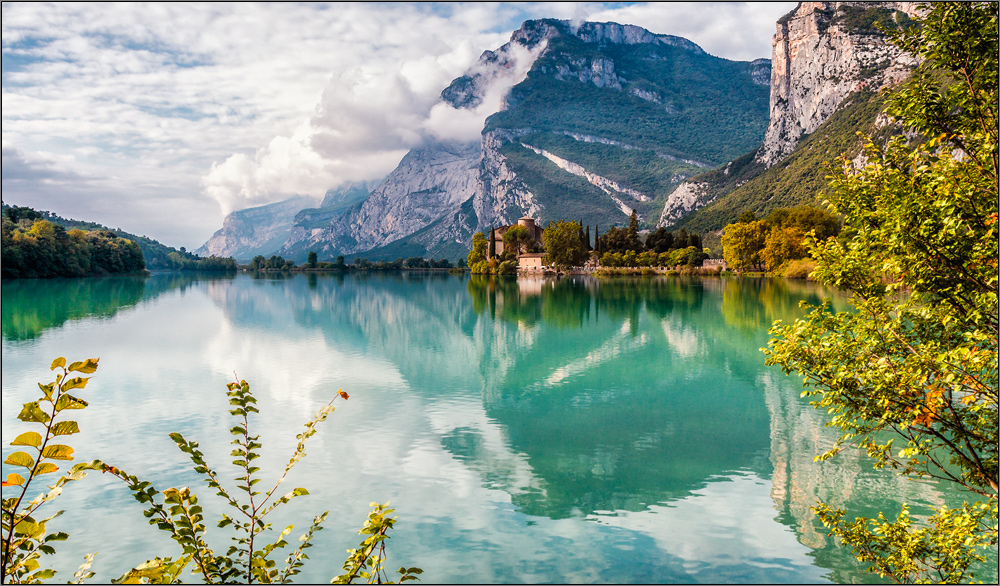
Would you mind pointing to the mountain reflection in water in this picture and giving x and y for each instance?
(579, 429)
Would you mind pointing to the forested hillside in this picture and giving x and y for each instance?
(31, 251)
(800, 178)
(33, 246)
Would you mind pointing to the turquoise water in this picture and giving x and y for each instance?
(528, 430)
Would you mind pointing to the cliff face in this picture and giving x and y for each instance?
(260, 230)
(822, 53)
(588, 122)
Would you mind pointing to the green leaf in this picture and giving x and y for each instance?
(65, 428)
(28, 438)
(88, 366)
(20, 459)
(32, 413)
(57, 363)
(57, 452)
(29, 528)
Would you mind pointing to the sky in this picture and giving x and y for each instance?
(162, 118)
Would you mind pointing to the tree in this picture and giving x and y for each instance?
(916, 363)
(615, 240)
(563, 244)
(478, 252)
(746, 217)
(311, 260)
(781, 246)
(742, 244)
(633, 242)
(660, 240)
(516, 240)
(493, 243)
(807, 219)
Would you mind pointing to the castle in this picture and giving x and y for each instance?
(496, 236)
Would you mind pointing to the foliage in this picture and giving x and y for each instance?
(368, 560)
(478, 252)
(563, 244)
(39, 248)
(799, 269)
(517, 240)
(275, 263)
(25, 538)
(742, 243)
(690, 256)
(155, 254)
(781, 246)
(794, 180)
(916, 363)
(807, 219)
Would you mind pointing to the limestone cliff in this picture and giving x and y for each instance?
(822, 53)
(260, 230)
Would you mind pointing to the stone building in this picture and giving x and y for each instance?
(496, 235)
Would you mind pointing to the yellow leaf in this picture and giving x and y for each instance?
(28, 438)
(57, 452)
(58, 362)
(13, 480)
(20, 459)
(46, 468)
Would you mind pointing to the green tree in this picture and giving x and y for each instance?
(660, 240)
(311, 260)
(742, 244)
(563, 244)
(478, 252)
(516, 240)
(633, 242)
(916, 363)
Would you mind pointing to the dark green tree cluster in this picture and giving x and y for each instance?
(417, 262)
(35, 247)
(621, 247)
(564, 244)
(275, 263)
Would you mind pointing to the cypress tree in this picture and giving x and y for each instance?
(587, 241)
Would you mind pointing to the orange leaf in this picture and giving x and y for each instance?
(344, 395)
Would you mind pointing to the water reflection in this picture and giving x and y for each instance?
(632, 419)
(37, 305)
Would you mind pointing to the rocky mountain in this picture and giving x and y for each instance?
(603, 119)
(829, 60)
(259, 230)
(599, 120)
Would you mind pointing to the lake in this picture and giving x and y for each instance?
(531, 430)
